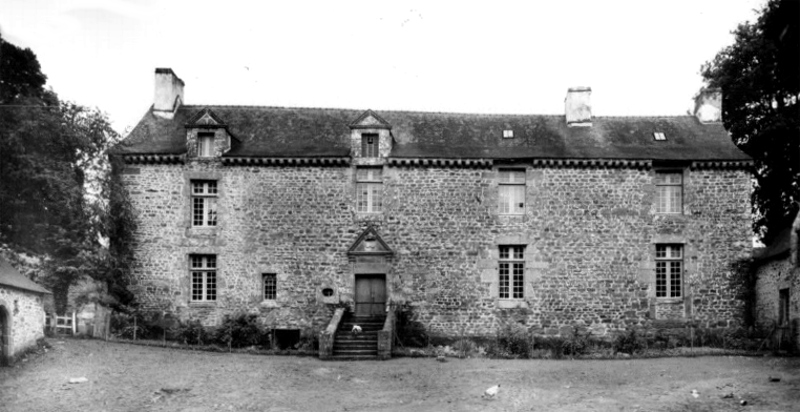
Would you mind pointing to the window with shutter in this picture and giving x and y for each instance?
(369, 145)
(369, 189)
(511, 191)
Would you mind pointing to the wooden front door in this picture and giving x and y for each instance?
(370, 295)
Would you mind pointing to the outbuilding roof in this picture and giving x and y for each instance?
(318, 132)
(9, 276)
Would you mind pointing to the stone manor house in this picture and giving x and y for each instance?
(469, 220)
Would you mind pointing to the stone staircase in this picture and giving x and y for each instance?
(347, 346)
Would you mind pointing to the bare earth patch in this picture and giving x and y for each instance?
(124, 377)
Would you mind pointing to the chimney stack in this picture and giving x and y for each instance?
(168, 93)
(708, 105)
(578, 107)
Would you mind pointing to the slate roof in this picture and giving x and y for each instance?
(316, 132)
(9, 276)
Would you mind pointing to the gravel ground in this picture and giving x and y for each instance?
(123, 377)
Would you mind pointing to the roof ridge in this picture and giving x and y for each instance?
(237, 106)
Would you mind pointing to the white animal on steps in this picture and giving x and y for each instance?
(492, 392)
(356, 330)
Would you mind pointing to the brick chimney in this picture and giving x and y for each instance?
(168, 93)
(708, 105)
(578, 107)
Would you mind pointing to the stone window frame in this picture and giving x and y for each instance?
(186, 191)
(208, 196)
(669, 262)
(370, 181)
(269, 286)
(511, 183)
(658, 193)
(370, 145)
(199, 266)
(515, 263)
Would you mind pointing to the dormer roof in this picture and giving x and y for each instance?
(370, 120)
(205, 118)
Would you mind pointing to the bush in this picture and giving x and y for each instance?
(629, 342)
(512, 341)
(410, 332)
(193, 333)
(576, 344)
(242, 330)
(128, 325)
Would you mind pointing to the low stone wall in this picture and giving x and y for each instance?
(25, 316)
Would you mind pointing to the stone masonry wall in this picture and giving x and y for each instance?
(589, 237)
(25, 315)
(773, 276)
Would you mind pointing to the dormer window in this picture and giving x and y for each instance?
(659, 136)
(205, 145)
(508, 134)
(369, 145)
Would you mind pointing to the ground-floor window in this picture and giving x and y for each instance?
(512, 272)
(669, 271)
(203, 270)
(270, 286)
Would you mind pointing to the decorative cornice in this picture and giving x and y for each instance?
(440, 162)
(737, 164)
(288, 161)
(155, 159)
(620, 163)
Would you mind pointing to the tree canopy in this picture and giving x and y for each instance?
(56, 178)
(759, 75)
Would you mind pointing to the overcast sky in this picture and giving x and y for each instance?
(639, 57)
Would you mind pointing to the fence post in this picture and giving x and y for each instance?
(73, 323)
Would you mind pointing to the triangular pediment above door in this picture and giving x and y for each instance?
(369, 243)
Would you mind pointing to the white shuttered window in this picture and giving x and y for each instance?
(669, 192)
(369, 189)
(511, 191)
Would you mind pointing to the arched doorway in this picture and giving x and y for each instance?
(5, 336)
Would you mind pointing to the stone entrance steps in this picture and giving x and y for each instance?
(348, 346)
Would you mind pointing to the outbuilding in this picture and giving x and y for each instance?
(22, 313)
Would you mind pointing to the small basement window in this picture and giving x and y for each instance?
(508, 134)
(287, 338)
(659, 136)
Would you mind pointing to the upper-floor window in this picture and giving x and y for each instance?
(669, 271)
(203, 270)
(205, 145)
(369, 145)
(270, 282)
(512, 272)
(511, 191)
(204, 202)
(669, 192)
(369, 189)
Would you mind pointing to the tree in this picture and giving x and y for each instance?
(760, 78)
(55, 174)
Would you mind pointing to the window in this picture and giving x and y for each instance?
(669, 271)
(270, 286)
(669, 192)
(659, 136)
(369, 145)
(783, 307)
(204, 203)
(205, 144)
(512, 191)
(369, 188)
(203, 270)
(512, 272)
(508, 134)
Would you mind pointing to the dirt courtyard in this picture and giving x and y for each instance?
(123, 377)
